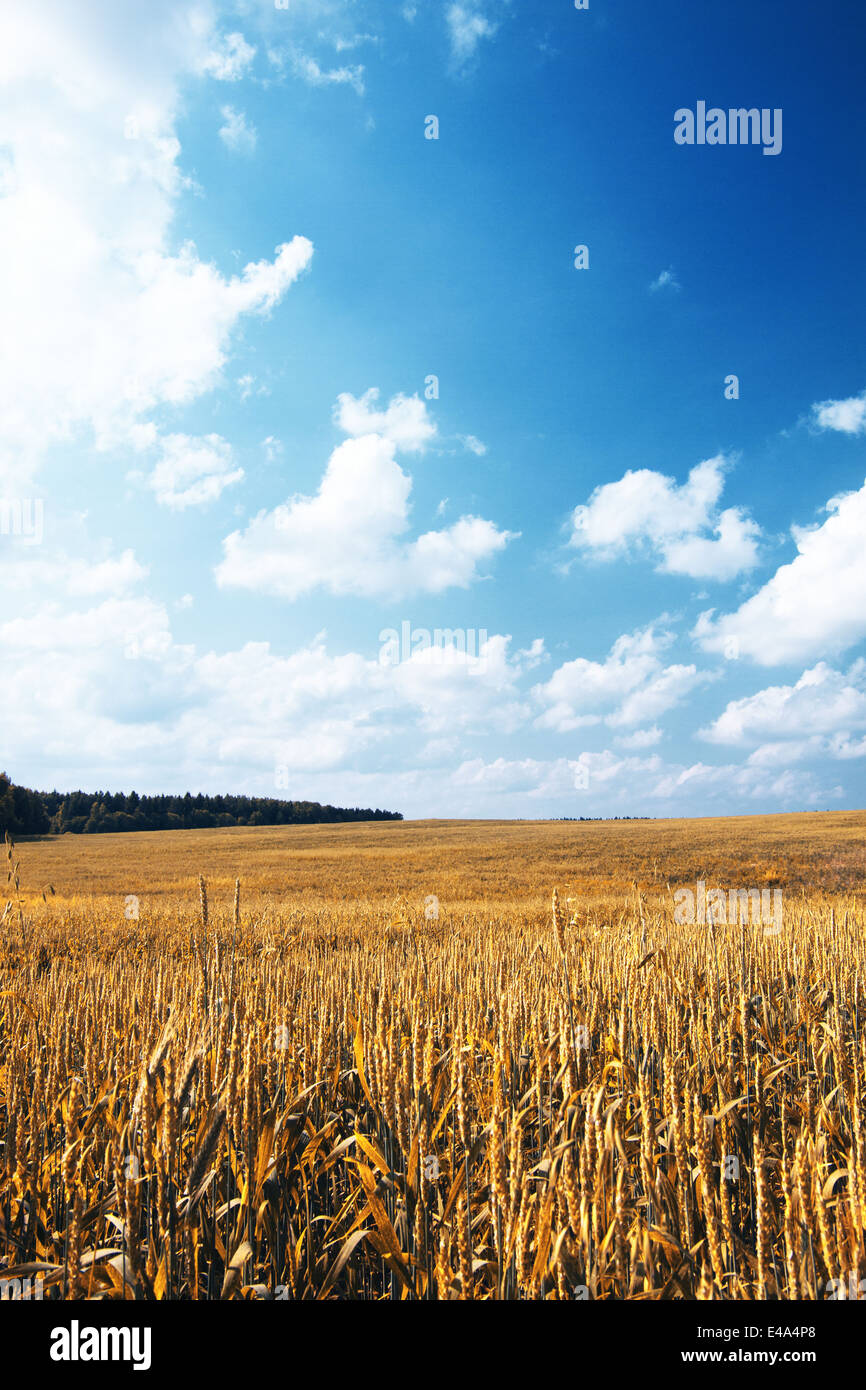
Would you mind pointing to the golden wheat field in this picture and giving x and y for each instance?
(383, 1061)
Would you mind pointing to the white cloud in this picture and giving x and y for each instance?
(311, 709)
(191, 471)
(102, 686)
(404, 422)
(533, 655)
(647, 511)
(467, 26)
(847, 416)
(819, 748)
(585, 782)
(349, 537)
(235, 132)
(605, 783)
(732, 550)
(631, 686)
(731, 785)
(311, 72)
(346, 44)
(102, 321)
(115, 623)
(104, 695)
(510, 775)
(666, 280)
(229, 58)
(475, 446)
(661, 693)
(786, 752)
(641, 738)
(31, 570)
(454, 689)
(840, 746)
(815, 606)
(823, 701)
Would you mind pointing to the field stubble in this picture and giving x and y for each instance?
(317, 1086)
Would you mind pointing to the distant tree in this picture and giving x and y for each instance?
(21, 811)
(25, 812)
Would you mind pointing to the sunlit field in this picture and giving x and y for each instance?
(382, 1062)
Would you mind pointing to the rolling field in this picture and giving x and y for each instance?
(469, 861)
(386, 1066)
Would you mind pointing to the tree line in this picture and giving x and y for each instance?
(26, 812)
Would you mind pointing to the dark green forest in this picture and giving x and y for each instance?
(26, 812)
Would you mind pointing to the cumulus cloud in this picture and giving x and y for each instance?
(534, 654)
(102, 685)
(730, 786)
(191, 471)
(645, 511)
(847, 416)
(819, 749)
(453, 688)
(815, 606)
(588, 782)
(33, 570)
(405, 421)
(525, 775)
(105, 694)
(604, 784)
(631, 686)
(823, 701)
(349, 538)
(641, 738)
(103, 322)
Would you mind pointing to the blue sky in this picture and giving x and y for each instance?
(282, 375)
